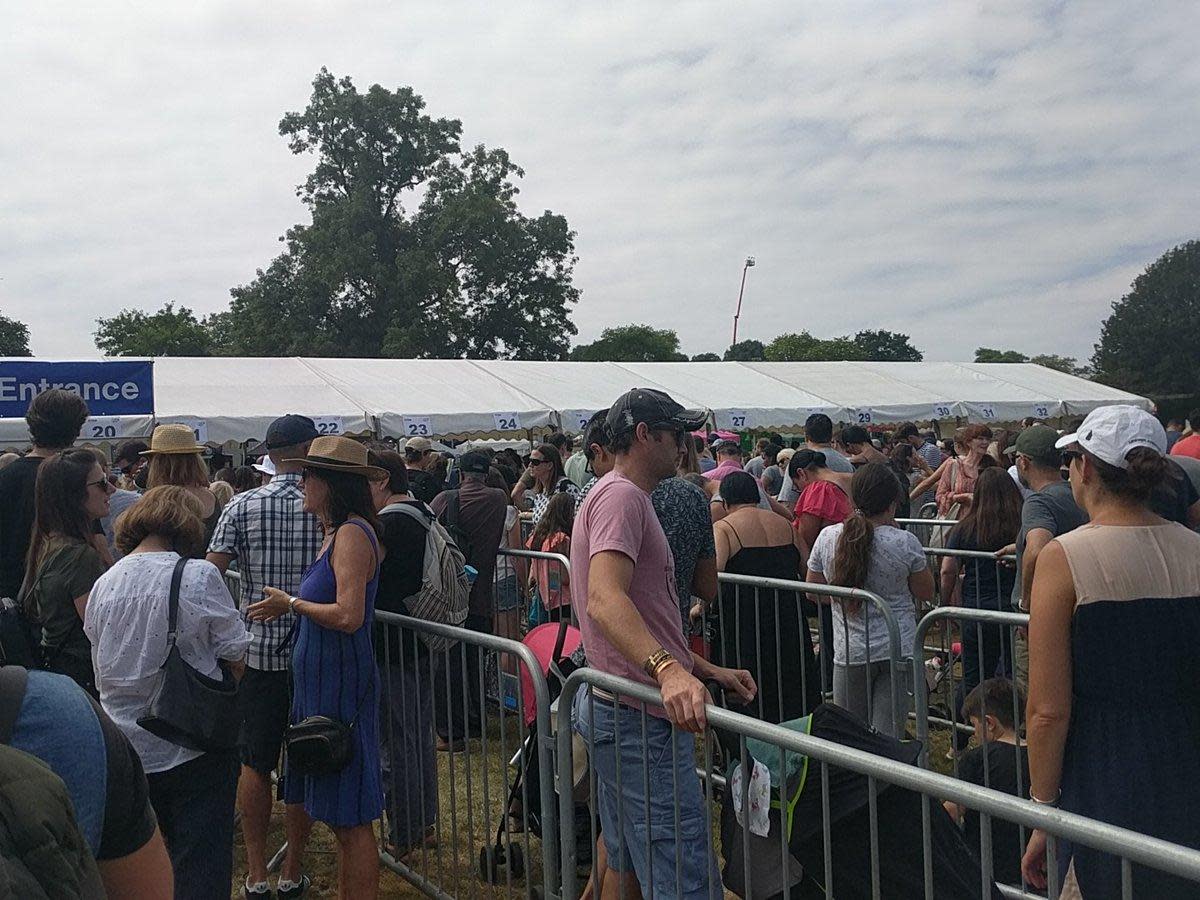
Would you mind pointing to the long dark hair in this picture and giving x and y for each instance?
(994, 518)
(348, 495)
(550, 452)
(559, 515)
(60, 498)
(872, 489)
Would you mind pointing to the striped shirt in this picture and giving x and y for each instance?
(274, 541)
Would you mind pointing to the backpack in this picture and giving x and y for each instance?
(445, 590)
(43, 853)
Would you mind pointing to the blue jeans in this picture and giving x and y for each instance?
(663, 838)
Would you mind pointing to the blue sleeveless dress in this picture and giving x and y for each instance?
(334, 675)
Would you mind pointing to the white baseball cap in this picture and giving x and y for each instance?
(1110, 432)
(266, 465)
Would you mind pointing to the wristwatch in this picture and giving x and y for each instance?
(292, 605)
(657, 661)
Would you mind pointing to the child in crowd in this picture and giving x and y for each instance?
(553, 535)
(1000, 761)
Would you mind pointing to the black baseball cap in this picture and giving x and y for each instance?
(475, 462)
(290, 430)
(655, 409)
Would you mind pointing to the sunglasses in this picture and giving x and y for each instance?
(104, 484)
(1068, 456)
(534, 463)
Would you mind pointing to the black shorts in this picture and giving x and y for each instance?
(264, 705)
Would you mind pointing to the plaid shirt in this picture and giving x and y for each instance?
(274, 542)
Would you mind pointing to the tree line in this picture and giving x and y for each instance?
(415, 247)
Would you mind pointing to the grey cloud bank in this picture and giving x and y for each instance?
(970, 174)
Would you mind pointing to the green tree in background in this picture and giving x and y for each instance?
(706, 357)
(462, 273)
(1149, 342)
(14, 337)
(886, 346)
(876, 346)
(746, 351)
(168, 332)
(988, 355)
(631, 343)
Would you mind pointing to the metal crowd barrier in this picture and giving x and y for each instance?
(981, 622)
(770, 864)
(452, 820)
(752, 590)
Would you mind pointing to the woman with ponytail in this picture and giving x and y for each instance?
(1114, 676)
(870, 552)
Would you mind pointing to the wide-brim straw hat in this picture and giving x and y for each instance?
(340, 454)
(173, 439)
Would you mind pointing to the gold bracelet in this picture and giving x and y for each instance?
(655, 660)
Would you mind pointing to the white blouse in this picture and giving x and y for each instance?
(126, 622)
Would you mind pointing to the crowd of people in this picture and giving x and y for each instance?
(114, 567)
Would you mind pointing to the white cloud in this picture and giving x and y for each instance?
(971, 174)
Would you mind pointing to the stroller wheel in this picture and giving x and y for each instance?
(494, 859)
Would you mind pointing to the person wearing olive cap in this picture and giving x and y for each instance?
(1114, 677)
(630, 622)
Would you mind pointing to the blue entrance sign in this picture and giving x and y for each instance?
(108, 388)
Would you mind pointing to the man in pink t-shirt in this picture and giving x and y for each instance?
(629, 617)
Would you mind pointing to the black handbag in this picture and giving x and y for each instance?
(320, 745)
(187, 708)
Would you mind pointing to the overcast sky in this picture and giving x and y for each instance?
(971, 173)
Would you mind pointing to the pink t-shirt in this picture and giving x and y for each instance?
(618, 515)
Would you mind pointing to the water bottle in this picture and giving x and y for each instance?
(471, 572)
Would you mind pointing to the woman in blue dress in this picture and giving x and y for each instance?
(333, 663)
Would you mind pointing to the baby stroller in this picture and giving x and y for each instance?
(754, 865)
(552, 644)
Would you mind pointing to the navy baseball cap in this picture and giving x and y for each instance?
(290, 430)
(654, 408)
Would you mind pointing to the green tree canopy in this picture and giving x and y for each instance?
(886, 346)
(631, 343)
(746, 351)
(464, 273)
(879, 346)
(14, 337)
(1149, 342)
(168, 332)
(706, 357)
(988, 355)
(1068, 364)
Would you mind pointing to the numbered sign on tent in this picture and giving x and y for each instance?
(1040, 411)
(581, 420)
(199, 429)
(328, 424)
(942, 411)
(738, 419)
(507, 421)
(105, 428)
(862, 417)
(417, 426)
(986, 412)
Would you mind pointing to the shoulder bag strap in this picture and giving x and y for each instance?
(173, 602)
(12, 695)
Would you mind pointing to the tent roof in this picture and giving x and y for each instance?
(236, 398)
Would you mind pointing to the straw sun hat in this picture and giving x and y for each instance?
(339, 454)
(173, 439)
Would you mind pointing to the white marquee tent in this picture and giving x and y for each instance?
(234, 399)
